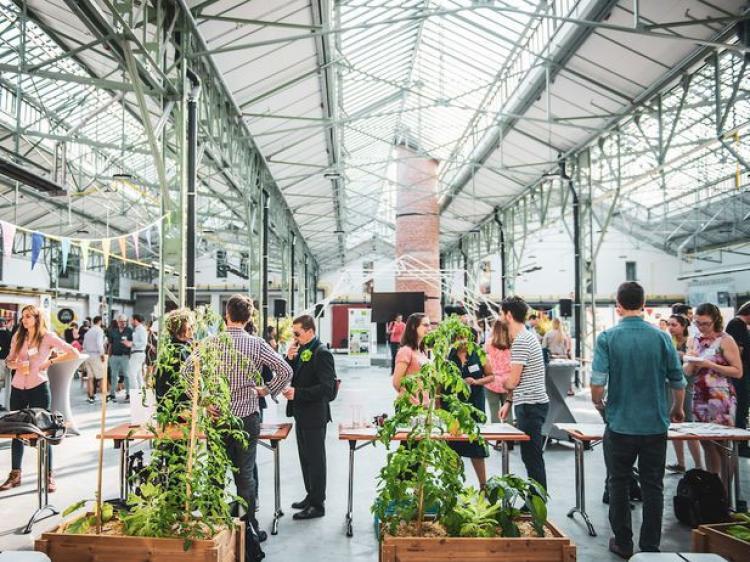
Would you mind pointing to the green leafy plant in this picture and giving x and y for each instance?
(425, 473)
(513, 493)
(740, 531)
(473, 516)
(184, 490)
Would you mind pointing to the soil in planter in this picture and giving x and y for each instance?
(527, 531)
(115, 528)
(432, 529)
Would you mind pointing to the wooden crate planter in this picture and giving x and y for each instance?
(227, 546)
(499, 549)
(713, 539)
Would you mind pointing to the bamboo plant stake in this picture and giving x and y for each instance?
(193, 430)
(102, 429)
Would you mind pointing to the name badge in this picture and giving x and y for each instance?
(32, 351)
(473, 368)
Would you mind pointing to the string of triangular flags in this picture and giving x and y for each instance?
(37, 243)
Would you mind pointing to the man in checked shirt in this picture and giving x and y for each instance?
(239, 361)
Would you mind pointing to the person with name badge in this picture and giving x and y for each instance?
(30, 352)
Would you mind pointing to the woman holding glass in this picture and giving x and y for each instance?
(30, 356)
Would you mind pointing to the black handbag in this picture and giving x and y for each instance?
(48, 425)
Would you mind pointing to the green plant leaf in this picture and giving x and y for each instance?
(74, 507)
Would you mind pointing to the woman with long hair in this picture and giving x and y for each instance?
(557, 341)
(30, 352)
(411, 355)
(713, 358)
(677, 326)
(498, 360)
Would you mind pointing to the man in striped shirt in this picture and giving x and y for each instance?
(240, 360)
(528, 390)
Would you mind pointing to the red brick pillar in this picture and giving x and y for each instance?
(418, 226)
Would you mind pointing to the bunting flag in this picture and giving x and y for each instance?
(85, 254)
(65, 248)
(9, 231)
(123, 247)
(37, 241)
(105, 251)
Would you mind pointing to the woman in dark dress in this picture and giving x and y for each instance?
(476, 376)
(179, 324)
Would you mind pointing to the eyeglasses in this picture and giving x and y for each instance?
(703, 323)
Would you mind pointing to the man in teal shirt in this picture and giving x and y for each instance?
(632, 361)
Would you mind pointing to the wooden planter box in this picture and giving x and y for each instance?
(713, 539)
(227, 546)
(499, 549)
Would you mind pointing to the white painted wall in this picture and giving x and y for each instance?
(552, 250)
(348, 282)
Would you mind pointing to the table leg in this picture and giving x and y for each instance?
(350, 499)
(505, 457)
(740, 505)
(41, 486)
(276, 488)
(580, 506)
(124, 454)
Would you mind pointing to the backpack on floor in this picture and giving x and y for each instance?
(701, 499)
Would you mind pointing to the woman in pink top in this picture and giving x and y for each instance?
(411, 356)
(395, 332)
(30, 351)
(498, 359)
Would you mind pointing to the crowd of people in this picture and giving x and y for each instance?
(643, 376)
(305, 375)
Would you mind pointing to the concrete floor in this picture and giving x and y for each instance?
(324, 539)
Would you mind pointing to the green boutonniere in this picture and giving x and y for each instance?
(306, 355)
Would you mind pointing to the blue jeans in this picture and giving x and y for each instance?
(37, 397)
(620, 454)
(118, 365)
(530, 419)
(243, 460)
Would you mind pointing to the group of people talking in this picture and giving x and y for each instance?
(511, 380)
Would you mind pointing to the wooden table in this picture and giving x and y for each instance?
(586, 435)
(123, 434)
(42, 468)
(361, 437)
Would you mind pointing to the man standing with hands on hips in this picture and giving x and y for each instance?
(313, 387)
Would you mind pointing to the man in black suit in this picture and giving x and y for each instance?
(313, 387)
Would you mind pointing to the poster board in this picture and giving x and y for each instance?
(360, 337)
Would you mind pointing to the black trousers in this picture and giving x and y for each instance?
(394, 350)
(243, 460)
(620, 453)
(530, 419)
(311, 446)
(37, 397)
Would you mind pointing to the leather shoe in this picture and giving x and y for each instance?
(618, 550)
(309, 512)
(303, 504)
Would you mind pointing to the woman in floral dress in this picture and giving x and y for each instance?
(714, 400)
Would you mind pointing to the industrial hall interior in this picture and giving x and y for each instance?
(374, 280)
